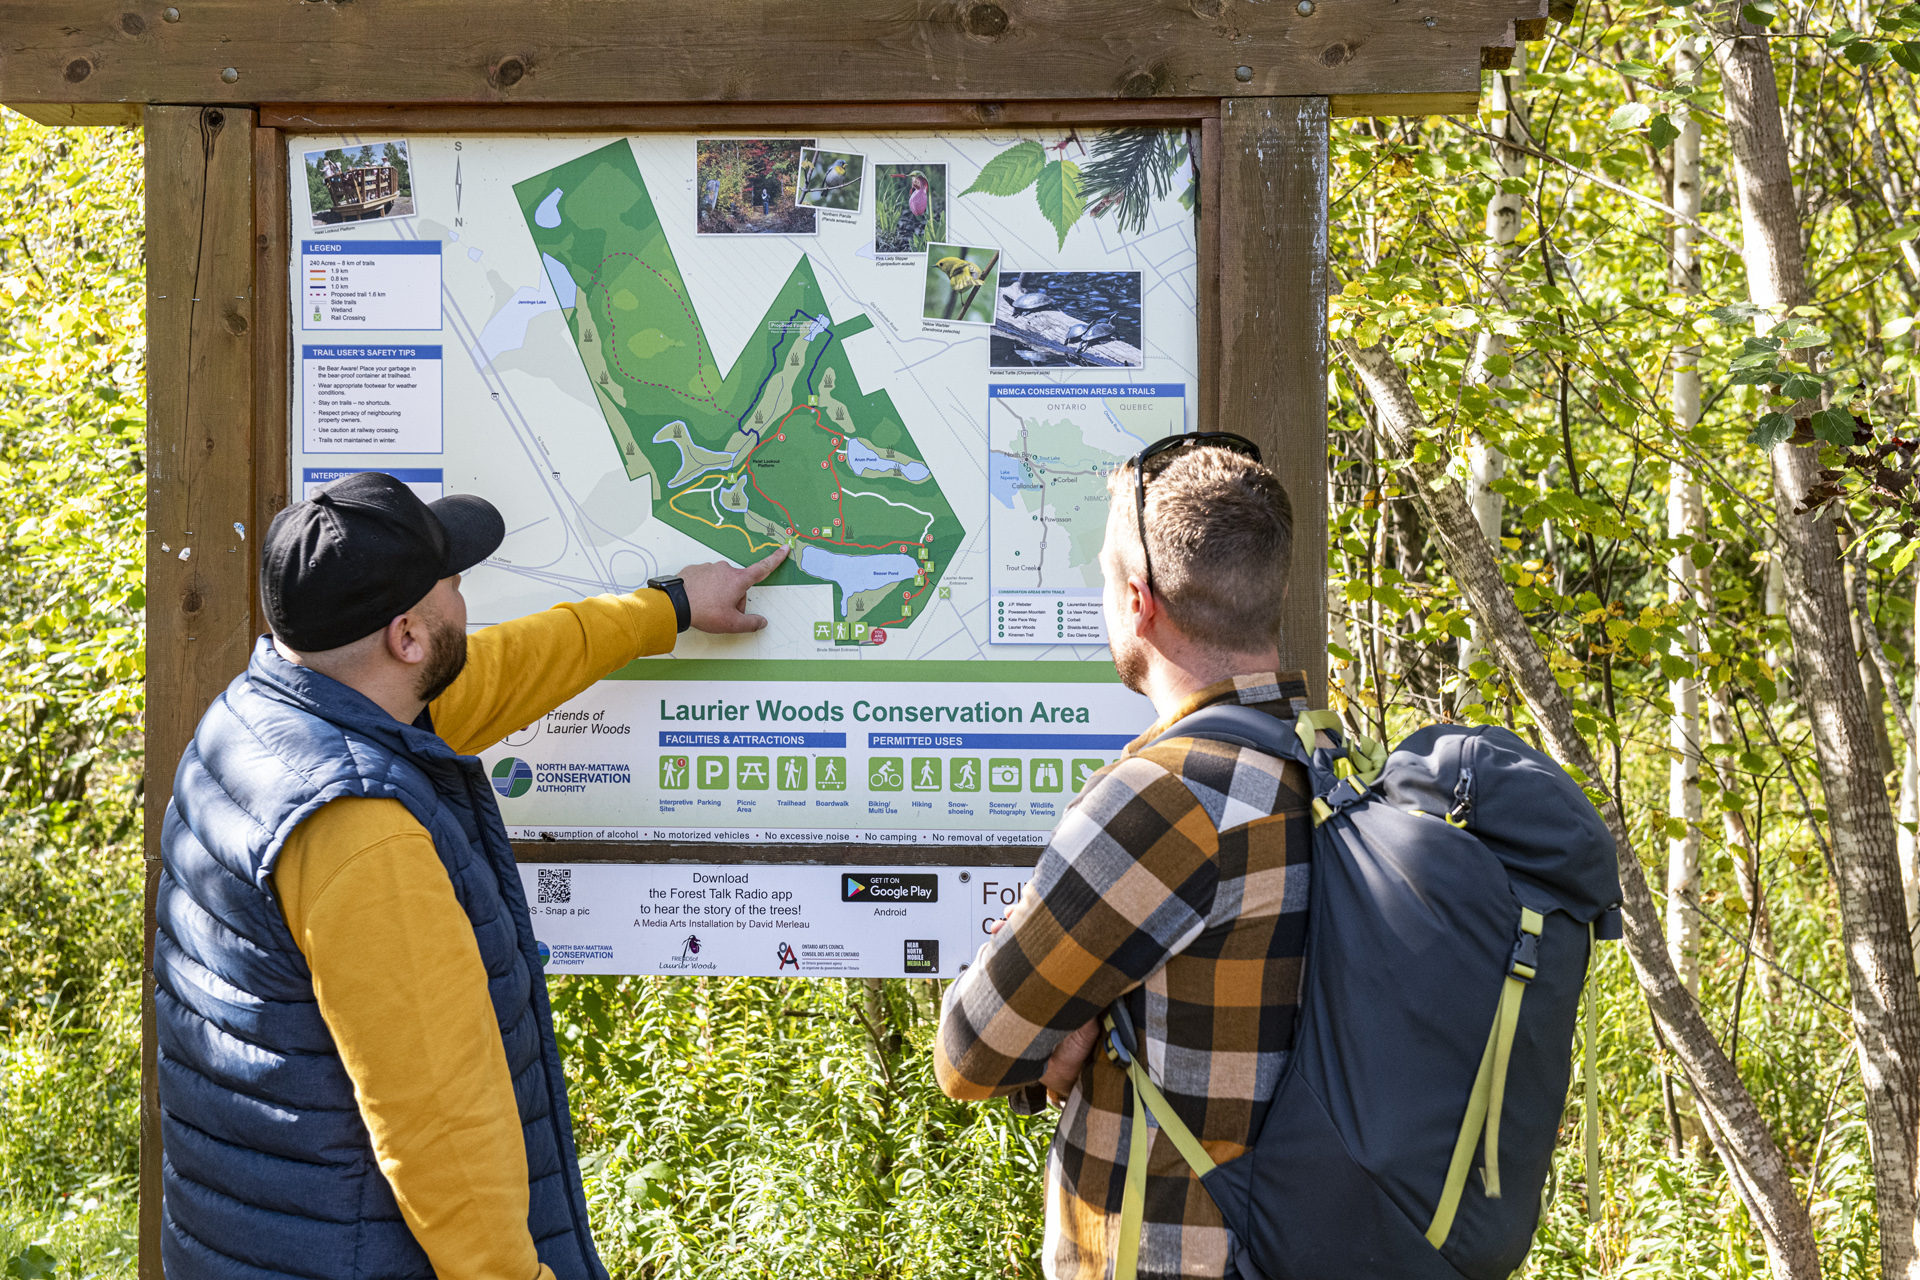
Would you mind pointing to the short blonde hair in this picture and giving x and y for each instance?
(1221, 530)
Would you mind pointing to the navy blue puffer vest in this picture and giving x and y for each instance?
(268, 1168)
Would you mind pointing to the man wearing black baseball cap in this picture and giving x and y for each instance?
(358, 1072)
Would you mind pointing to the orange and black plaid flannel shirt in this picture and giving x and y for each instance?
(1177, 880)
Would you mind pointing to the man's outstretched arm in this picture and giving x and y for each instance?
(520, 670)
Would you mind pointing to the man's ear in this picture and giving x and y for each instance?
(407, 638)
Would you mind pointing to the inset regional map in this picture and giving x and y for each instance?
(1050, 451)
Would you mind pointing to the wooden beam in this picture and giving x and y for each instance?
(572, 51)
(272, 351)
(682, 117)
(1349, 105)
(1273, 321)
(78, 113)
(200, 311)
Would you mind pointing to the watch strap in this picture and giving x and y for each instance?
(676, 591)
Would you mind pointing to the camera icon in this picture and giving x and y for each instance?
(1003, 775)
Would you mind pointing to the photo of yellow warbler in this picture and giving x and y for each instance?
(961, 283)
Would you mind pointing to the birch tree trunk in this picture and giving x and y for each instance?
(1685, 581)
(1907, 842)
(1880, 972)
(1760, 1173)
(1485, 463)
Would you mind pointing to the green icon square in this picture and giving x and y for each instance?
(946, 593)
(790, 773)
(1003, 775)
(925, 773)
(884, 773)
(829, 773)
(964, 773)
(823, 631)
(752, 771)
(711, 773)
(1084, 769)
(1048, 775)
(675, 775)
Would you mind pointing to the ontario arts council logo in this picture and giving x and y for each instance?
(512, 777)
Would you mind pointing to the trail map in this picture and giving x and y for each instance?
(782, 449)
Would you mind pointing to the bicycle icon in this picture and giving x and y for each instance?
(885, 774)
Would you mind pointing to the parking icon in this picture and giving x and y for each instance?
(1003, 775)
(1048, 775)
(713, 773)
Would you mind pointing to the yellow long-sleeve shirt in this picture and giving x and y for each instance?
(396, 970)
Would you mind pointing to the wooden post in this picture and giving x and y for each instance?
(200, 312)
(1272, 306)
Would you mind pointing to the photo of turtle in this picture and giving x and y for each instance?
(750, 186)
(961, 283)
(909, 207)
(359, 183)
(1072, 319)
(831, 179)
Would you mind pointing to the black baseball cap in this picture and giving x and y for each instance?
(363, 551)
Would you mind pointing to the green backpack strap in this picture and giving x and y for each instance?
(1591, 1121)
(1480, 1127)
(1133, 1200)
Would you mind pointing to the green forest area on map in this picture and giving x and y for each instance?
(784, 449)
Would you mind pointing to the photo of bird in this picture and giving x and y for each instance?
(830, 179)
(962, 283)
(961, 274)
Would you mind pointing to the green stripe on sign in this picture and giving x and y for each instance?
(852, 328)
(847, 671)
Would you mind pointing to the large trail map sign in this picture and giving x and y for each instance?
(909, 358)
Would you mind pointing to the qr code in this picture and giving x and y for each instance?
(556, 884)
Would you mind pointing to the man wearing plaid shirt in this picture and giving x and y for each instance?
(1176, 883)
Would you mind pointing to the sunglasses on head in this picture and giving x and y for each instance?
(1199, 439)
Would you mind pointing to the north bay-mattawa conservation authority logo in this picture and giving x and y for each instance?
(512, 777)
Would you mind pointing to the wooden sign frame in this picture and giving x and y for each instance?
(1258, 82)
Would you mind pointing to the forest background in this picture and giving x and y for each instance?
(1623, 401)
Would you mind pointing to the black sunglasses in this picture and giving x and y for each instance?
(1203, 439)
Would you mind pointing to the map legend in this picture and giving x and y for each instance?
(370, 284)
(1075, 619)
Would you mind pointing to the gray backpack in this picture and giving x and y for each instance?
(1457, 888)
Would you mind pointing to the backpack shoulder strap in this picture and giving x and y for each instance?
(1146, 1099)
(1242, 727)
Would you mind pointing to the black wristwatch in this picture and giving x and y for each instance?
(677, 592)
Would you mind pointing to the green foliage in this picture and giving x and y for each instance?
(90, 1233)
(787, 1128)
(72, 636)
(1586, 325)
(1129, 168)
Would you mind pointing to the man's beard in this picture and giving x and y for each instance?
(1130, 660)
(446, 659)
